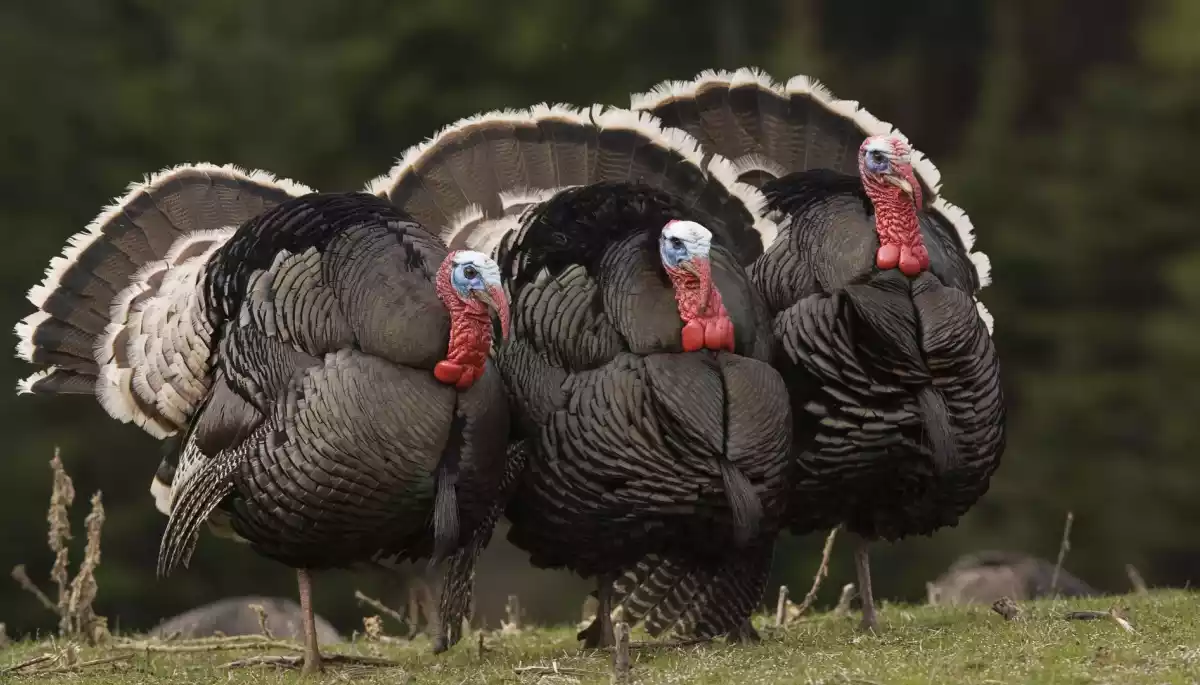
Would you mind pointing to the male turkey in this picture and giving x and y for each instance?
(638, 357)
(323, 358)
(871, 284)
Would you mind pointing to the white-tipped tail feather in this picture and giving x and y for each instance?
(663, 98)
(473, 181)
(120, 311)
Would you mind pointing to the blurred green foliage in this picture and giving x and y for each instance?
(1067, 128)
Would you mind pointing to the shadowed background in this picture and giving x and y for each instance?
(1066, 128)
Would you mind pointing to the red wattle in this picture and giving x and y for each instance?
(888, 256)
(922, 255)
(469, 375)
(693, 336)
(448, 372)
(909, 264)
(718, 333)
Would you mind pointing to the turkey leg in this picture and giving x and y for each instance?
(603, 614)
(863, 564)
(312, 654)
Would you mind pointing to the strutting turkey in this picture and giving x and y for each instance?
(638, 358)
(872, 287)
(321, 359)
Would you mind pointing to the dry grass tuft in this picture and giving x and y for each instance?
(76, 617)
(83, 619)
(62, 494)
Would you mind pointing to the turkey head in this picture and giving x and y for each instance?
(885, 164)
(684, 247)
(468, 283)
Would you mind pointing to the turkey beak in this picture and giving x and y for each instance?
(906, 180)
(690, 267)
(493, 298)
(703, 276)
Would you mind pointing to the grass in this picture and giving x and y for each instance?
(916, 645)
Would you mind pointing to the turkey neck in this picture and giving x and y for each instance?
(900, 241)
(470, 335)
(706, 323)
(470, 339)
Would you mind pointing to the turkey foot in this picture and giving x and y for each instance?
(600, 632)
(863, 564)
(312, 655)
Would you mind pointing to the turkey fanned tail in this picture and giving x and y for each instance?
(476, 178)
(769, 130)
(119, 314)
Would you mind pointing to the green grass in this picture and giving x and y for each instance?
(916, 645)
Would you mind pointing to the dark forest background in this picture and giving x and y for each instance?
(1068, 129)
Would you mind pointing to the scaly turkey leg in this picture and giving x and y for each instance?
(863, 563)
(312, 654)
(604, 611)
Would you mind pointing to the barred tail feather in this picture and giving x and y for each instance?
(192, 502)
(458, 584)
(475, 179)
(118, 312)
(767, 130)
(693, 602)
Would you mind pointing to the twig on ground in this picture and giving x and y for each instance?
(174, 638)
(1118, 615)
(27, 663)
(620, 662)
(297, 660)
(211, 644)
(781, 606)
(822, 573)
(1135, 579)
(22, 578)
(380, 607)
(479, 643)
(668, 644)
(843, 605)
(84, 664)
(552, 669)
(1007, 608)
(1063, 548)
(261, 612)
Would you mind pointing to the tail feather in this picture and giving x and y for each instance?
(520, 158)
(694, 602)
(118, 310)
(768, 130)
(191, 504)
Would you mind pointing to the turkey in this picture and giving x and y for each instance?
(871, 285)
(321, 360)
(657, 431)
